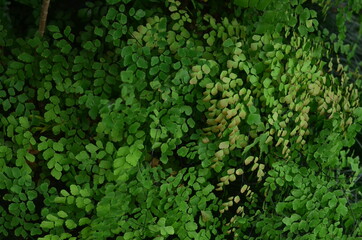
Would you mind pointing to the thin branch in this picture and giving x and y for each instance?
(43, 16)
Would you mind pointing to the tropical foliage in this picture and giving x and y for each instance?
(166, 119)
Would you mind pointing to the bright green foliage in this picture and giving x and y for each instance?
(179, 120)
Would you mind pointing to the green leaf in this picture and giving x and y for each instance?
(127, 76)
(31, 194)
(298, 180)
(155, 85)
(57, 35)
(169, 230)
(83, 155)
(126, 51)
(84, 221)
(139, 14)
(134, 127)
(62, 214)
(91, 148)
(210, 41)
(141, 63)
(267, 82)
(98, 31)
(89, 46)
(24, 122)
(302, 30)
(262, 4)
(65, 193)
(253, 119)
(207, 190)
(191, 226)
(242, 3)
(342, 209)
(358, 113)
(164, 147)
(187, 110)
(254, 80)
(123, 19)
(109, 147)
(247, 148)
(16, 189)
(56, 174)
(67, 31)
(182, 152)
(154, 228)
(289, 220)
(134, 157)
(224, 145)
(161, 222)
(53, 28)
(191, 122)
(47, 225)
(47, 154)
(70, 224)
(154, 60)
(112, 13)
(26, 57)
(74, 190)
(228, 43)
(206, 216)
(58, 146)
(6, 105)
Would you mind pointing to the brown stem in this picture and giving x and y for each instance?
(43, 16)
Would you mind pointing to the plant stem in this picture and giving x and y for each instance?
(43, 16)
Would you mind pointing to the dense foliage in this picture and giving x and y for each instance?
(165, 119)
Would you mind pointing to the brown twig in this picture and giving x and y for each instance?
(43, 16)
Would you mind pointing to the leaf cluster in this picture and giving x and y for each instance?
(169, 119)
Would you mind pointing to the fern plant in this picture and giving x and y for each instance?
(179, 120)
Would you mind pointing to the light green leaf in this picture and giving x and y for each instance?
(253, 119)
(191, 226)
(169, 230)
(302, 30)
(83, 155)
(91, 148)
(289, 220)
(47, 154)
(182, 152)
(154, 60)
(47, 224)
(342, 209)
(123, 151)
(62, 214)
(70, 224)
(134, 157)
(267, 82)
(109, 147)
(58, 146)
(74, 189)
(56, 174)
(84, 221)
(187, 110)
(228, 43)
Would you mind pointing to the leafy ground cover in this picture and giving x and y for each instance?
(165, 119)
